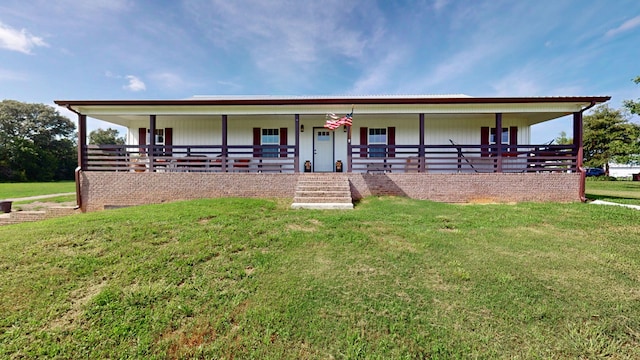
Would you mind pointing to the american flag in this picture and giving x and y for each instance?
(333, 121)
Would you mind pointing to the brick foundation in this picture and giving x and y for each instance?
(105, 189)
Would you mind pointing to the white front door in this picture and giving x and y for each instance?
(322, 150)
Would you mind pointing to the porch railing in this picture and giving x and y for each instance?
(193, 158)
(361, 158)
(462, 158)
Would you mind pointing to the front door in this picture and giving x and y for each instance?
(322, 150)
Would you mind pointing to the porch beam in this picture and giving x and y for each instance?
(82, 141)
(296, 150)
(152, 141)
(499, 142)
(225, 144)
(421, 145)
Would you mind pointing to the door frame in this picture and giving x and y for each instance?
(333, 149)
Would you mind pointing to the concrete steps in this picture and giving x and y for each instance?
(323, 191)
(17, 217)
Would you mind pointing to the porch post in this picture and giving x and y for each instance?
(225, 145)
(421, 147)
(349, 150)
(578, 147)
(82, 141)
(296, 150)
(152, 141)
(499, 142)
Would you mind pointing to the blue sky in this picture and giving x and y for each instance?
(127, 49)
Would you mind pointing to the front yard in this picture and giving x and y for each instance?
(394, 278)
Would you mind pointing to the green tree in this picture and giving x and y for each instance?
(36, 143)
(609, 136)
(105, 137)
(633, 106)
(562, 139)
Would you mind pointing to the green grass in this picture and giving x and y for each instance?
(394, 278)
(19, 190)
(627, 192)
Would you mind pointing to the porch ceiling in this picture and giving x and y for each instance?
(533, 109)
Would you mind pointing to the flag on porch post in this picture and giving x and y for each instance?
(334, 121)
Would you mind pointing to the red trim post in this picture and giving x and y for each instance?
(499, 142)
(421, 145)
(225, 145)
(349, 150)
(82, 142)
(152, 141)
(296, 149)
(579, 148)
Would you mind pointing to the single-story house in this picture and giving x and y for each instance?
(442, 148)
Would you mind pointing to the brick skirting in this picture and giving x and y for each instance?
(106, 189)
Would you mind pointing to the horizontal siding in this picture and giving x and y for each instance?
(207, 130)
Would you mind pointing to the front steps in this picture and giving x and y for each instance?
(17, 217)
(323, 191)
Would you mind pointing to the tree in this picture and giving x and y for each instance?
(36, 143)
(105, 137)
(609, 136)
(633, 106)
(562, 139)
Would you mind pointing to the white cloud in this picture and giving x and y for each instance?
(135, 84)
(292, 37)
(440, 4)
(168, 80)
(377, 78)
(19, 40)
(626, 26)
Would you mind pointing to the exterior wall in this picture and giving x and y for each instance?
(439, 128)
(104, 189)
(474, 187)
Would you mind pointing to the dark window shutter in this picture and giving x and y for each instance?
(142, 139)
(391, 140)
(484, 140)
(364, 140)
(168, 141)
(256, 142)
(283, 142)
(513, 138)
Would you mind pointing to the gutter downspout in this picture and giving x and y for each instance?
(79, 168)
(581, 169)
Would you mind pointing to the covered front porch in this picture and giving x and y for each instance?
(407, 152)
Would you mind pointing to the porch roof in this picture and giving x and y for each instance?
(534, 109)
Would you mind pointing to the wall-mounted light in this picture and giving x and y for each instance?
(302, 128)
(344, 128)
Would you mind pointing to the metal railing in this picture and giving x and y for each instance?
(361, 158)
(193, 158)
(463, 158)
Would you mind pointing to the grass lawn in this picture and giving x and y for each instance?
(394, 278)
(627, 192)
(19, 190)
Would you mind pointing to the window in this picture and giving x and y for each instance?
(159, 137)
(377, 137)
(324, 136)
(270, 142)
(504, 139)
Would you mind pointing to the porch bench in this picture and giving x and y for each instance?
(412, 165)
(269, 167)
(241, 165)
(378, 168)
